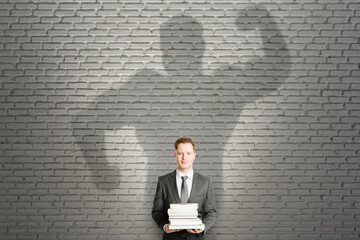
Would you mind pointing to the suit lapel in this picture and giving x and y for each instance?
(193, 187)
(174, 187)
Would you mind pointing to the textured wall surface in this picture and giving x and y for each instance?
(93, 95)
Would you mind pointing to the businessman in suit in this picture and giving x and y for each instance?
(181, 186)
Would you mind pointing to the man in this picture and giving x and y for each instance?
(171, 189)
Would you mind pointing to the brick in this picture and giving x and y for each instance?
(296, 147)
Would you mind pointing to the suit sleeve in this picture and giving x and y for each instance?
(158, 211)
(210, 208)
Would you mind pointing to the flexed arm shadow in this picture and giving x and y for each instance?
(156, 109)
(263, 71)
(104, 132)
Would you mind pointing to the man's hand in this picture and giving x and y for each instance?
(195, 231)
(167, 230)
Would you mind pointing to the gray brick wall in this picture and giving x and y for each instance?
(93, 94)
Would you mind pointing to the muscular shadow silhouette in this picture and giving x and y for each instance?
(183, 102)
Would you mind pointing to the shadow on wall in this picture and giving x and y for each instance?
(136, 124)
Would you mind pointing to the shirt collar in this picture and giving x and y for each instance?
(180, 174)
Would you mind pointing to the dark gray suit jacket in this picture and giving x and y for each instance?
(202, 192)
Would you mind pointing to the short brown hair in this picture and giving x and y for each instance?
(184, 140)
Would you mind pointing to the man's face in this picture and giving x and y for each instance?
(185, 156)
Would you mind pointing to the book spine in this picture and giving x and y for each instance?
(184, 206)
(197, 226)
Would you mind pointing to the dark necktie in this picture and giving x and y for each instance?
(184, 190)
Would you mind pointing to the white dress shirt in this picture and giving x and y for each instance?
(188, 181)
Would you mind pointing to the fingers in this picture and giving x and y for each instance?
(167, 230)
(194, 230)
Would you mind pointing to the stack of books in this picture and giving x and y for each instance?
(184, 216)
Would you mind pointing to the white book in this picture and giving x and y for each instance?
(179, 212)
(194, 221)
(184, 206)
(183, 217)
(196, 226)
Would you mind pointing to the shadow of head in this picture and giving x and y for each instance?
(182, 42)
